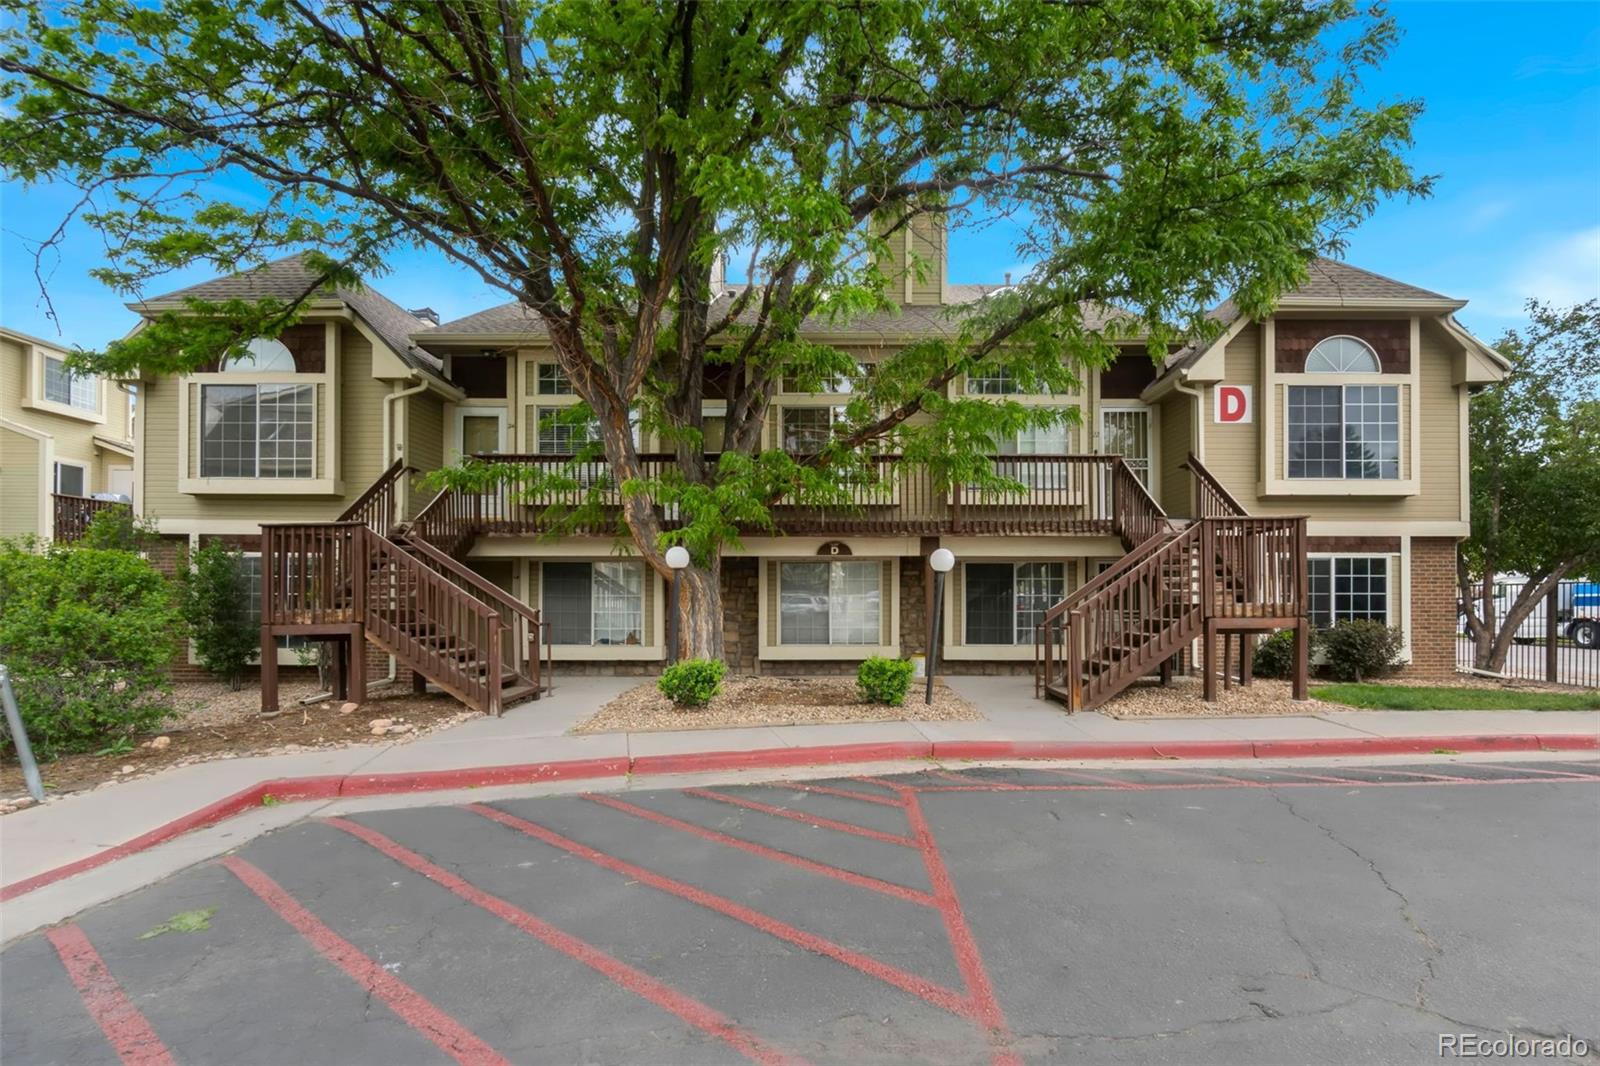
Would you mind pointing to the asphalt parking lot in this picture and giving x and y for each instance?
(1184, 915)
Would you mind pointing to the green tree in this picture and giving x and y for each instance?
(119, 529)
(593, 159)
(1535, 473)
(216, 604)
(88, 635)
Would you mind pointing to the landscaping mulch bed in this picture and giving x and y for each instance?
(754, 701)
(1267, 697)
(214, 722)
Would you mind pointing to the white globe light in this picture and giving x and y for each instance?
(942, 560)
(677, 557)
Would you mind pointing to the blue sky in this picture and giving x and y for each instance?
(1512, 129)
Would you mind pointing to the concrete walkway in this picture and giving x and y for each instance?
(79, 825)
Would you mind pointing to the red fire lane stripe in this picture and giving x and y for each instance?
(130, 1033)
(801, 816)
(447, 1034)
(921, 987)
(687, 1008)
(807, 786)
(888, 888)
(962, 943)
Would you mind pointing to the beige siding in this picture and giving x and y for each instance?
(1233, 452)
(1174, 425)
(72, 439)
(361, 459)
(20, 459)
(424, 445)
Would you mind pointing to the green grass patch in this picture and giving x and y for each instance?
(1409, 698)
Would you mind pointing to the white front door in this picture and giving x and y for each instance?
(480, 430)
(1125, 431)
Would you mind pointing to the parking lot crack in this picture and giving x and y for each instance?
(1432, 951)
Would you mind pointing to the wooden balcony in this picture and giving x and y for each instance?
(1087, 495)
(73, 514)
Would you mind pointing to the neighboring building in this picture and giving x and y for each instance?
(1348, 405)
(64, 438)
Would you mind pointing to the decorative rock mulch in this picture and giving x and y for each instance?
(755, 701)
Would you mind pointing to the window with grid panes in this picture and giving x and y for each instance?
(266, 431)
(1347, 588)
(594, 603)
(1004, 602)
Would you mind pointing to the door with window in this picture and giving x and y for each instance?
(480, 430)
(1125, 431)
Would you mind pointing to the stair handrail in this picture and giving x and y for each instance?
(492, 594)
(1135, 516)
(1213, 500)
(375, 620)
(1041, 639)
(378, 501)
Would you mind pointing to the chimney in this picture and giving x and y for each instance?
(1008, 279)
(917, 261)
(719, 275)
(426, 314)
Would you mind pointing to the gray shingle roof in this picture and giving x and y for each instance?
(914, 320)
(288, 279)
(1327, 280)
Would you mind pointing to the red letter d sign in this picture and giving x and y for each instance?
(1232, 404)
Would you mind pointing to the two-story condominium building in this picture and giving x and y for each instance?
(64, 438)
(1308, 467)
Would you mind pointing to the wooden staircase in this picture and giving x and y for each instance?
(366, 578)
(1226, 573)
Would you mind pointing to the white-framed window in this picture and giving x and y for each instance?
(830, 602)
(62, 386)
(480, 430)
(1342, 355)
(593, 604)
(261, 356)
(992, 381)
(839, 384)
(250, 567)
(807, 430)
(1346, 588)
(558, 431)
(257, 431)
(551, 380)
(1344, 431)
(71, 479)
(1005, 602)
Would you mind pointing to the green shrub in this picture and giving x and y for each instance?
(1274, 656)
(1361, 649)
(118, 529)
(216, 604)
(693, 682)
(88, 635)
(881, 680)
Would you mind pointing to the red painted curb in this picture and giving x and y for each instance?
(1053, 749)
(292, 789)
(691, 762)
(480, 776)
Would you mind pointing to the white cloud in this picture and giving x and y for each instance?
(1564, 270)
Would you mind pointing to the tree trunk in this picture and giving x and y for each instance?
(700, 612)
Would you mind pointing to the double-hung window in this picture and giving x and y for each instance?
(1344, 431)
(258, 431)
(1005, 602)
(830, 602)
(594, 603)
(807, 430)
(62, 386)
(1347, 588)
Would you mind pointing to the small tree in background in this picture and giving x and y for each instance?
(1535, 473)
(88, 635)
(119, 529)
(216, 604)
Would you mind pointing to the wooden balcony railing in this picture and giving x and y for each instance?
(72, 514)
(1211, 499)
(1057, 494)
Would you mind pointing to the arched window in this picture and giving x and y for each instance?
(262, 355)
(1342, 355)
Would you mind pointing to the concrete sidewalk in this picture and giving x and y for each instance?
(77, 826)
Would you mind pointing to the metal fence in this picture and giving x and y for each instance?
(1559, 641)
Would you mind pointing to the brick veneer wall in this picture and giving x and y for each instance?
(1433, 607)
